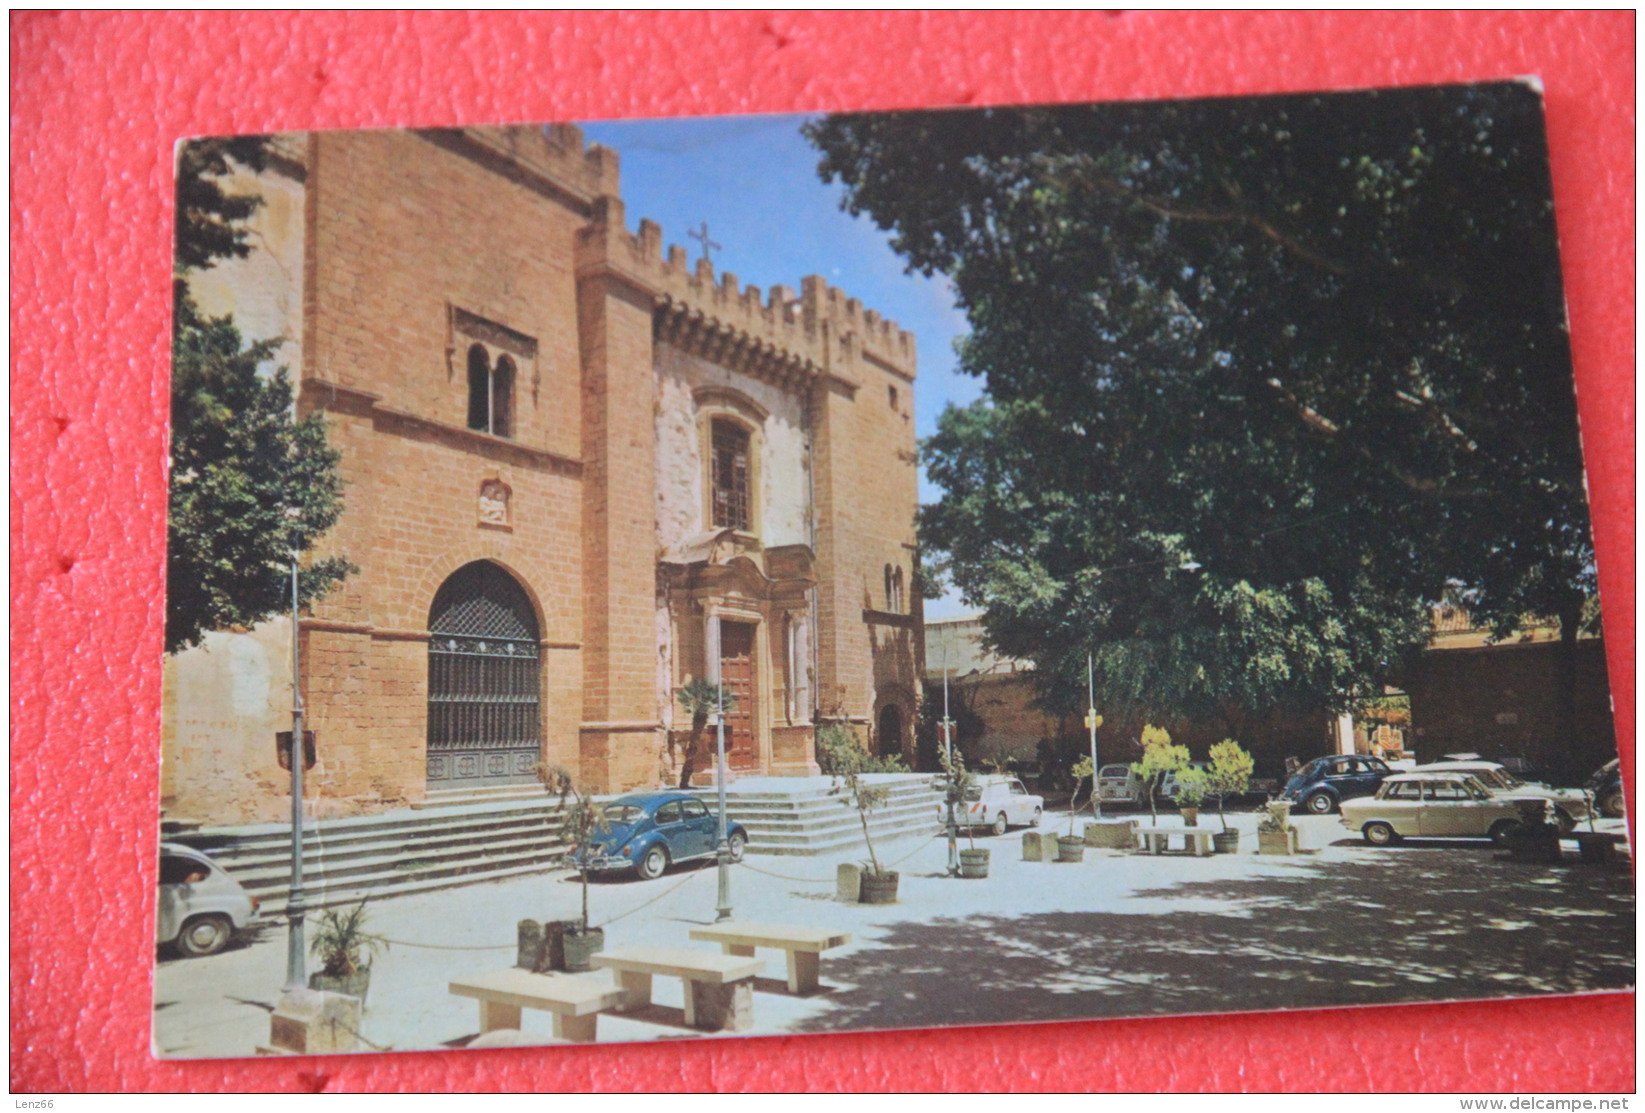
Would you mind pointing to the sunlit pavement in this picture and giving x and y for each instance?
(1115, 935)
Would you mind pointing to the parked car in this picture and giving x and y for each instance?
(1118, 784)
(200, 906)
(1168, 783)
(647, 832)
(997, 802)
(1605, 786)
(1323, 784)
(1431, 805)
(1569, 803)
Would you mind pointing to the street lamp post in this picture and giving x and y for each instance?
(296, 904)
(1093, 721)
(948, 751)
(722, 852)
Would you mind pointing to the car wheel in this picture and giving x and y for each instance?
(1320, 803)
(205, 935)
(1612, 805)
(999, 824)
(1379, 834)
(652, 864)
(1563, 820)
(1503, 830)
(736, 844)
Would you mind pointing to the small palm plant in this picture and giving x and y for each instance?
(700, 698)
(342, 943)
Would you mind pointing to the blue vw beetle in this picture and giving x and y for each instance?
(644, 832)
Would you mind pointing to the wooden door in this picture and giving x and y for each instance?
(738, 674)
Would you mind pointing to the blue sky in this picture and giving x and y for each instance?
(754, 180)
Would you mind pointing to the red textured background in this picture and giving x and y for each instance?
(97, 102)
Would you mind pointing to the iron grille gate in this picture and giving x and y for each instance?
(483, 682)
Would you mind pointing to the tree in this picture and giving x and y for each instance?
(700, 698)
(1160, 756)
(1229, 774)
(251, 488)
(1264, 378)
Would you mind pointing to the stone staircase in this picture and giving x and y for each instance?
(465, 839)
(808, 816)
(412, 851)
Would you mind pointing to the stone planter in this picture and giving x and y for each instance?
(542, 945)
(1111, 834)
(1039, 846)
(355, 985)
(1276, 842)
(1226, 842)
(1071, 848)
(848, 883)
(879, 888)
(974, 863)
(581, 947)
(1596, 849)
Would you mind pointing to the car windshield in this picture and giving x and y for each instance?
(1117, 772)
(1507, 779)
(621, 815)
(1313, 767)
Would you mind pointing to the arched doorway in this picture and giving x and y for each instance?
(483, 681)
(890, 735)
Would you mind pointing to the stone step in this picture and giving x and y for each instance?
(387, 860)
(381, 889)
(328, 841)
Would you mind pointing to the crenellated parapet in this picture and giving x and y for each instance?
(553, 157)
(777, 334)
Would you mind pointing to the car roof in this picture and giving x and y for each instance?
(646, 799)
(1430, 775)
(1453, 766)
(184, 851)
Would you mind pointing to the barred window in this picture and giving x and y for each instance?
(730, 476)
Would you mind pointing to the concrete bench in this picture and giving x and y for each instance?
(576, 1002)
(803, 945)
(719, 989)
(1157, 840)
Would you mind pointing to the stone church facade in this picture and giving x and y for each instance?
(579, 474)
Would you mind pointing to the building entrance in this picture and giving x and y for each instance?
(737, 673)
(483, 682)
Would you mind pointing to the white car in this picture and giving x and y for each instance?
(1569, 803)
(1119, 784)
(997, 802)
(200, 906)
(1431, 805)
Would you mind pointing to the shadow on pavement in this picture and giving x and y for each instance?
(1416, 924)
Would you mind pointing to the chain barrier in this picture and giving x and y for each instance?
(831, 880)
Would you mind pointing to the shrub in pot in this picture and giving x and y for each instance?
(845, 760)
(1229, 774)
(1192, 788)
(1071, 847)
(580, 821)
(344, 948)
(957, 780)
(1159, 756)
(1275, 835)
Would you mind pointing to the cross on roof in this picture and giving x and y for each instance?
(709, 246)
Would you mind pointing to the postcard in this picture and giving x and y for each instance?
(783, 575)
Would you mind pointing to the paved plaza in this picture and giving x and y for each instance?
(1116, 935)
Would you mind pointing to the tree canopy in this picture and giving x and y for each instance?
(250, 485)
(1264, 379)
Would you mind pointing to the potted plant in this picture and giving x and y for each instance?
(1229, 774)
(1275, 835)
(580, 821)
(1192, 788)
(344, 948)
(1159, 756)
(1071, 847)
(957, 780)
(845, 760)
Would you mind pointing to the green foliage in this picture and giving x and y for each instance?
(968, 725)
(700, 698)
(342, 943)
(839, 753)
(1261, 378)
(580, 821)
(1160, 756)
(1082, 771)
(1193, 786)
(1229, 774)
(251, 488)
(844, 758)
(1276, 818)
